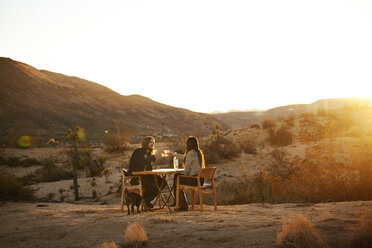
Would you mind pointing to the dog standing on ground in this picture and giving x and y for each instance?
(132, 199)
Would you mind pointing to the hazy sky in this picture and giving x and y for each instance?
(200, 55)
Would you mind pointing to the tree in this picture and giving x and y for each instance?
(75, 137)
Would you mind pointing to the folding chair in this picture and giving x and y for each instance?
(206, 188)
(133, 188)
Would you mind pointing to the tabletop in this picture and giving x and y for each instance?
(158, 172)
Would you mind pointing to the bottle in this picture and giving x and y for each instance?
(175, 162)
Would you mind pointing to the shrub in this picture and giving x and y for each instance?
(220, 148)
(117, 142)
(84, 159)
(281, 137)
(255, 126)
(299, 232)
(162, 219)
(135, 235)
(12, 189)
(50, 172)
(248, 146)
(279, 164)
(268, 124)
(17, 162)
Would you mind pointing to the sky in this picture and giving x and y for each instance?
(203, 55)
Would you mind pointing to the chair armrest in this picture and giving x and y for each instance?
(130, 177)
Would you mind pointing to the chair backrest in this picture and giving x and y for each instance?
(207, 172)
(125, 171)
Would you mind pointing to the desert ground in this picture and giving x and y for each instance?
(251, 225)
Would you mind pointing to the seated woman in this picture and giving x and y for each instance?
(193, 160)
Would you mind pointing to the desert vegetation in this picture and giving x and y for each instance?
(335, 164)
(299, 232)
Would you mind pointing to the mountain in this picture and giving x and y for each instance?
(45, 104)
(246, 118)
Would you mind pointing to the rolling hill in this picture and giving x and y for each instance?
(246, 118)
(45, 104)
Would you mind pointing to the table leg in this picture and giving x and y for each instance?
(159, 190)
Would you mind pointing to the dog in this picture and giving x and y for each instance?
(132, 199)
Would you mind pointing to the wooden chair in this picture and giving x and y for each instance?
(133, 188)
(206, 188)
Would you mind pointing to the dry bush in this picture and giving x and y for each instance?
(220, 148)
(280, 137)
(162, 219)
(12, 189)
(279, 164)
(248, 146)
(17, 161)
(268, 124)
(135, 235)
(50, 172)
(320, 177)
(239, 193)
(307, 135)
(289, 121)
(107, 245)
(117, 142)
(361, 235)
(299, 232)
(255, 126)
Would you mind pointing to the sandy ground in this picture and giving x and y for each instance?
(252, 225)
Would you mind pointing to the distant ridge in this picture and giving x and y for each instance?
(44, 104)
(246, 118)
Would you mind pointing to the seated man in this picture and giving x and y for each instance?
(140, 161)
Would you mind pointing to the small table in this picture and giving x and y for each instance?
(163, 174)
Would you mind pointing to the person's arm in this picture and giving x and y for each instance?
(180, 157)
(149, 159)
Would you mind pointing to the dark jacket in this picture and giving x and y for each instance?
(138, 162)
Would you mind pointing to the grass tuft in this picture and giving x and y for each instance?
(299, 232)
(135, 235)
(162, 219)
(107, 245)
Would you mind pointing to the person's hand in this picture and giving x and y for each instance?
(158, 154)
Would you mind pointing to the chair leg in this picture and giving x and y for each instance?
(141, 194)
(200, 199)
(214, 199)
(178, 198)
(193, 199)
(122, 197)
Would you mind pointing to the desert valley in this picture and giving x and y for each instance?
(292, 176)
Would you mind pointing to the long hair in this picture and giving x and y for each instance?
(145, 144)
(192, 143)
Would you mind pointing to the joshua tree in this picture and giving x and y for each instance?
(93, 185)
(75, 137)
